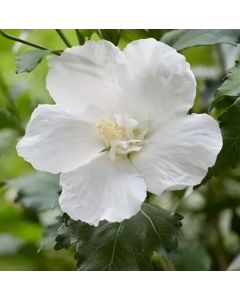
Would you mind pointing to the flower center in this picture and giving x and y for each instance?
(121, 135)
(111, 130)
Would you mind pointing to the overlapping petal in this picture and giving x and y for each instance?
(148, 80)
(87, 75)
(164, 87)
(56, 141)
(179, 154)
(102, 190)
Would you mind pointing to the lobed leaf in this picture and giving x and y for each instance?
(122, 246)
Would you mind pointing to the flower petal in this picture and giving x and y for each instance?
(164, 86)
(56, 141)
(102, 190)
(148, 80)
(179, 154)
(85, 75)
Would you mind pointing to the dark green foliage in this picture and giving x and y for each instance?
(224, 97)
(7, 119)
(121, 246)
(229, 90)
(111, 35)
(230, 153)
(192, 256)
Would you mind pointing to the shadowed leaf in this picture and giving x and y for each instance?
(38, 191)
(122, 246)
(230, 154)
(185, 38)
(230, 88)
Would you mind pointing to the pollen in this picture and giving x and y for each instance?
(111, 130)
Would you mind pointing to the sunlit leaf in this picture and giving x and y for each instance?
(27, 61)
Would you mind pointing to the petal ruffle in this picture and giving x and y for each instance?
(86, 75)
(56, 141)
(147, 81)
(179, 154)
(163, 85)
(102, 190)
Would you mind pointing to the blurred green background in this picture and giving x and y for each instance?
(28, 199)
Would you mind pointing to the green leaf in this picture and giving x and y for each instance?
(122, 246)
(156, 33)
(27, 61)
(129, 35)
(185, 38)
(185, 259)
(111, 35)
(87, 32)
(230, 88)
(230, 153)
(7, 119)
(38, 191)
(134, 34)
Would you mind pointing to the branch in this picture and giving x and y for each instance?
(11, 37)
(81, 39)
(63, 37)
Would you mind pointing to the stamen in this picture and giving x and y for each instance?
(111, 130)
(121, 137)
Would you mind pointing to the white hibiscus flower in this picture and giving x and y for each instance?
(120, 128)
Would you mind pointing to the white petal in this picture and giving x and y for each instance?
(163, 86)
(148, 80)
(179, 154)
(56, 141)
(85, 75)
(102, 190)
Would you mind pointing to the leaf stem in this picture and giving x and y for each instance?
(81, 39)
(160, 262)
(63, 37)
(167, 264)
(11, 37)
